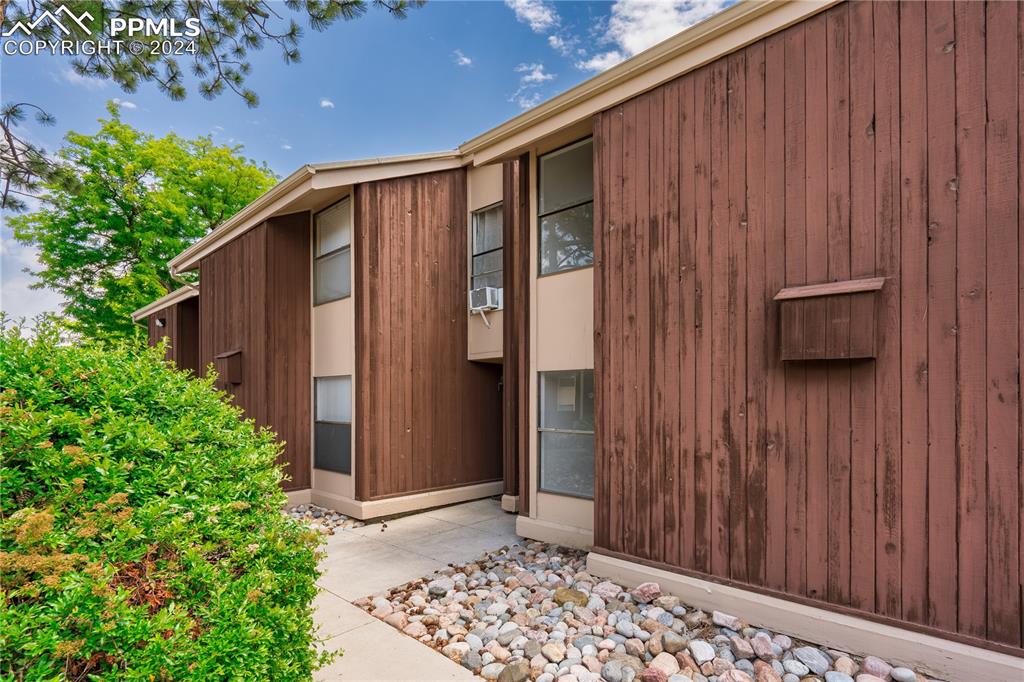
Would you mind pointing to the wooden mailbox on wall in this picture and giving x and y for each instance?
(831, 321)
(229, 368)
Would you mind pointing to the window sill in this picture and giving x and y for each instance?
(332, 471)
(575, 496)
(333, 300)
(541, 275)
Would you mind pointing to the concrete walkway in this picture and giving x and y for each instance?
(377, 557)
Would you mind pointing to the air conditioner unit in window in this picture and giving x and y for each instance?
(484, 298)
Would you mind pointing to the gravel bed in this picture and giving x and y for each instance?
(321, 519)
(534, 613)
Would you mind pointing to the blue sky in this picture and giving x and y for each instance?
(375, 86)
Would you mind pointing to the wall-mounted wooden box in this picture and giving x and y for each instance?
(832, 321)
(229, 367)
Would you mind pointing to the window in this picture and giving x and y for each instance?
(332, 253)
(566, 208)
(332, 430)
(566, 432)
(487, 248)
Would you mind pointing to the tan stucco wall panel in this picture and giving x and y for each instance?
(341, 485)
(334, 338)
(557, 533)
(485, 343)
(484, 186)
(565, 321)
(566, 511)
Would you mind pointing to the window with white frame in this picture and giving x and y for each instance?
(487, 248)
(332, 428)
(565, 208)
(566, 432)
(332, 253)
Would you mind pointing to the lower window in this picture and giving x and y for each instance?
(566, 432)
(332, 429)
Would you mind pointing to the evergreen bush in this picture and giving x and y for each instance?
(141, 533)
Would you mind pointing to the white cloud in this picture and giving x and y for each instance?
(528, 100)
(534, 74)
(88, 82)
(602, 61)
(461, 59)
(326, 103)
(539, 15)
(636, 25)
(17, 299)
(563, 44)
(286, 147)
(124, 104)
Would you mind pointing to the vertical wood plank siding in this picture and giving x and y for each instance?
(516, 340)
(181, 327)
(255, 297)
(426, 418)
(873, 139)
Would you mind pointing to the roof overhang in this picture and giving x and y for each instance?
(287, 196)
(177, 296)
(311, 185)
(725, 32)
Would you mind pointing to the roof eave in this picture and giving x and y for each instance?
(494, 144)
(386, 160)
(187, 259)
(177, 296)
(258, 209)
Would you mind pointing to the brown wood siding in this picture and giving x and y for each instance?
(516, 343)
(289, 328)
(871, 140)
(181, 327)
(255, 298)
(426, 418)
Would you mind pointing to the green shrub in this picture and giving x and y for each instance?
(140, 524)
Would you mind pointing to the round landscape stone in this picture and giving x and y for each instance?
(532, 612)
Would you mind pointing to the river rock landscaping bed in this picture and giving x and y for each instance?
(321, 519)
(534, 613)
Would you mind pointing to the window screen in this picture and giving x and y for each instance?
(332, 428)
(566, 208)
(566, 432)
(487, 251)
(332, 253)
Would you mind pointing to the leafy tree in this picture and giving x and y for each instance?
(125, 203)
(228, 32)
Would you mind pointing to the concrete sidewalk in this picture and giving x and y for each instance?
(376, 557)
